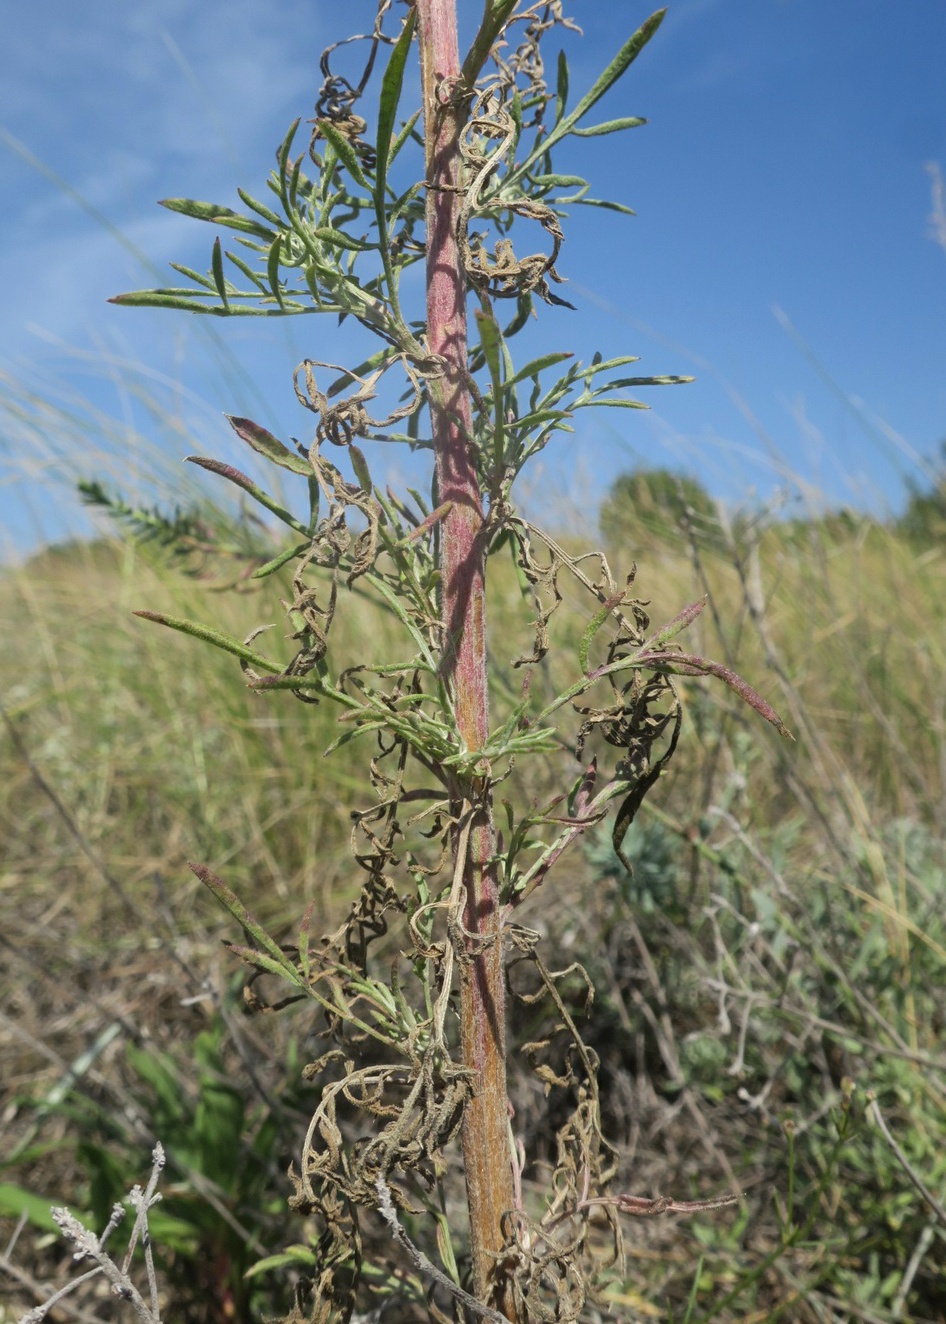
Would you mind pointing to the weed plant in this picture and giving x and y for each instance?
(769, 977)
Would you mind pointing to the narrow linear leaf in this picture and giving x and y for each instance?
(496, 12)
(259, 207)
(264, 443)
(281, 181)
(217, 215)
(599, 364)
(561, 87)
(216, 264)
(558, 181)
(211, 636)
(279, 561)
(610, 404)
(594, 625)
(403, 137)
(646, 381)
(538, 365)
(688, 664)
(189, 304)
(247, 271)
(609, 126)
(673, 627)
(344, 151)
(235, 907)
(292, 1255)
(339, 239)
(294, 180)
(491, 343)
(273, 258)
(360, 466)
(263, 961)
(391, 86)
(581, 200)
(618, 66)
(195, 276)
(241, 480)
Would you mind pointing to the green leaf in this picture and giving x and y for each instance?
(260, 208)
(185, 302)
(360, 466)
(211, 636)
(592, 628)
(495, 15)
(339, 239)
(294, 179)
(217, 215)
(272, 268)
(619, 65)
(604, 204)
(285, 147)
(160, 1071)
(291, 1255)
(536, 366)
(609, 126)
(264, 443)
(344, 151)
(391, 86)
(15, 1203)
(216, 263)
(491, 343)
(240, 479)
(248, 272)
(263, 961)
(235, 907)
(597, 401)
(402, 138)
(599, 364)
(279, 561)
(645, 381)
(195, 276)
(561, 87)
(558, 181)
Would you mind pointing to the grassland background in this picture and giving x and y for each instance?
(771, 979)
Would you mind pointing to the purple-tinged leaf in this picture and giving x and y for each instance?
(673, 627)
(688, 664)
(240, 479)
(264, 443)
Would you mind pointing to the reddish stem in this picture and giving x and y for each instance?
(463, 611)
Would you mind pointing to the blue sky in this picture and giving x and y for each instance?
(783, 249)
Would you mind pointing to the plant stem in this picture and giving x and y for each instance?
(463, 613)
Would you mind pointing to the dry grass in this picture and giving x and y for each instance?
(783, 933)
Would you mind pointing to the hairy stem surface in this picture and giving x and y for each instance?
(486, 1127)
